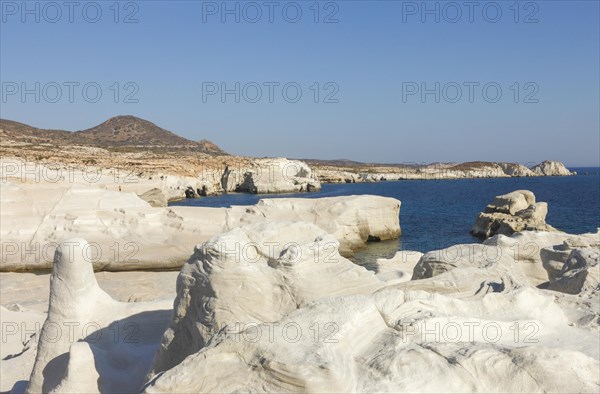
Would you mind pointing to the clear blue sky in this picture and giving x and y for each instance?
(376, 51)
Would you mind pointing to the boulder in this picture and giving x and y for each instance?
(512, 203)
(510, 213)
(535, 257)
(535, 212)
(572, 265)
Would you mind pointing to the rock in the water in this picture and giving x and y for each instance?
(191, 193)
(510, 213)
(512, 203)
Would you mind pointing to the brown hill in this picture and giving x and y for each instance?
(21, 132)
(118, 132)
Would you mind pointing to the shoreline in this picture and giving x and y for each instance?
(267, 262)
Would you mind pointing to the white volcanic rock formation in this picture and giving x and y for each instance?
(551, 168)
(277, 175)
(173, 187)
(20, 329)
(573, 265)
(516, 170)
(269, 269)
(437, 262)
(376, 173)
(273, 307)
(90, 342)
(534, 250)
(580, 273)
(300, 327)
(510, 213)
(399, 268)
(24, 309)
(127, 234)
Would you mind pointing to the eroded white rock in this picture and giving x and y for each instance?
(399, 268)
(125, 233)
(580, 273)
(534, 250)
(90, 342)
(510, 213)
(269, 269)
(277, 175)
(551, 168)
(464, 329)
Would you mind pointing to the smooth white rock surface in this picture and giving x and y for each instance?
(470, 325)
(126, 233)
(399, 268)
(89, 342)
(273, 307)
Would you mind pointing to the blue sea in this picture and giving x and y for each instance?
(435, 214)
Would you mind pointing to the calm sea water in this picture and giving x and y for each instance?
(436, 214)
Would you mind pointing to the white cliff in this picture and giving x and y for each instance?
(264, 176)
(126, 233)
(380, 172)
(246, 175)
(551, 168)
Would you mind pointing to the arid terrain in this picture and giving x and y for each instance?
(142, 149)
